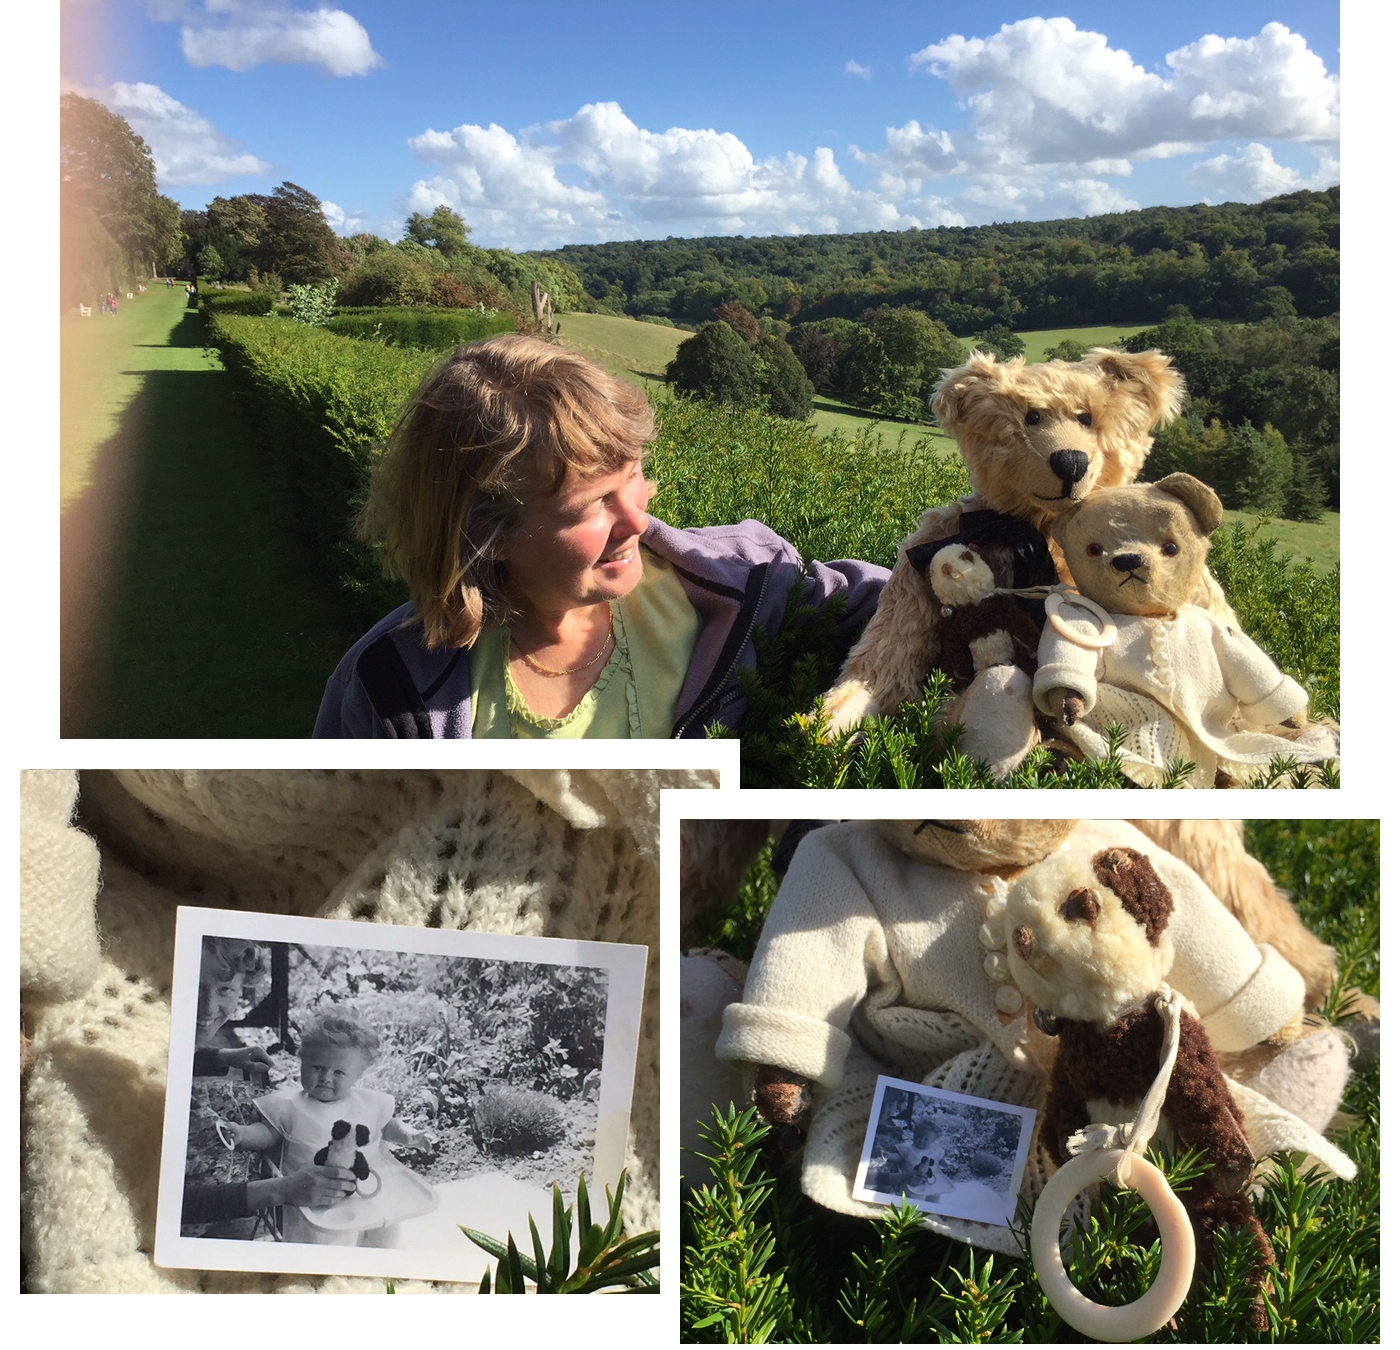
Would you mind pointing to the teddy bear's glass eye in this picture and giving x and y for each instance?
(1085, 420)
(1095, 550)
(1032, 418)
(1170, 549)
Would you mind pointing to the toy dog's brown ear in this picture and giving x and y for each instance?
(1154, 385)
(1200, 499)
(1132, 878)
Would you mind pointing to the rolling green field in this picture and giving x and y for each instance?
(1039, 341)
(1319, 544)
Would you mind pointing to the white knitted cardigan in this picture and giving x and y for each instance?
(558, 854)
(871, 962)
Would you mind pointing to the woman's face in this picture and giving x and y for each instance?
(218, 1000)
(579, 546)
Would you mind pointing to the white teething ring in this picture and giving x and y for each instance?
(226, 1140)
(378, 1185)
(1168, 1291)
(1106, 638)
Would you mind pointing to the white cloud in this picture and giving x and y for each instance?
(241, 34)
(597, 175)
(855, 68)
(341, 221)
(1254, 174)
(187, 148)
(1053, 109)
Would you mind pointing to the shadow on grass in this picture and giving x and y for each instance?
(647, 375)
(191, 604)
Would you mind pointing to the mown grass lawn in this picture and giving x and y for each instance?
(1317, 543)
(191, 605)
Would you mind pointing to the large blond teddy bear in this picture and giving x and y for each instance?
(1037, 440)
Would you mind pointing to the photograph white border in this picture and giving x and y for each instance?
(626, 967)
(1025, 1114)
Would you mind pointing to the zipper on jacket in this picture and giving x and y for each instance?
(715, 696)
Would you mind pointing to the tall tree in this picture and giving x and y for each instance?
(108, 184)
(444, 231)
(716, 363)
(297, 243)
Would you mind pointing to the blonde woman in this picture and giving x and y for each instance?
(546, 601)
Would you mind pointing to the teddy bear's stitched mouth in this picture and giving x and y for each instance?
(1132, 576)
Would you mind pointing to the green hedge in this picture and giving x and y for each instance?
(424, 328)
(323, 404)
(235, 302)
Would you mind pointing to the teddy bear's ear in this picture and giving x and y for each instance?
(1154, 384)
(1200, 500)
(982, 373)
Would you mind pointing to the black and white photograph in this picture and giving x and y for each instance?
(345, 1097)
(944, 1152)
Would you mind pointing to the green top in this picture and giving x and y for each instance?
(634, 697)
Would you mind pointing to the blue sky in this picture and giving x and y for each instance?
(554, 123)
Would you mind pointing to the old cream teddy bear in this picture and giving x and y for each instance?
(886, 951)
(1140, 654)
(1036, 439)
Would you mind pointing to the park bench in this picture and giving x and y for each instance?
(85, 311)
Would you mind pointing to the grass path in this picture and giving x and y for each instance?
(190, 605)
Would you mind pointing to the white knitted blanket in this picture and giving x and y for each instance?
(560, 854)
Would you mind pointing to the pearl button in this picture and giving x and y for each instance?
(996, 967)
(996, 906)
(992, 935)
(1008, 998)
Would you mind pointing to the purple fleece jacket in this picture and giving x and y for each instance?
(738, 577)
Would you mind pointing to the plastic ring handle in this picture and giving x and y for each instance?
(1155, 1308)
(378, 1186)
(226, 1140)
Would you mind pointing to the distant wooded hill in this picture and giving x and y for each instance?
(1274, 259)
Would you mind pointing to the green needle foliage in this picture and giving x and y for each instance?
(763, 1263)
(605, 1258)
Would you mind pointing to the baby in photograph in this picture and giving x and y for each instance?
(332, 1119)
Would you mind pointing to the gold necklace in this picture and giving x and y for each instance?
(573, 670)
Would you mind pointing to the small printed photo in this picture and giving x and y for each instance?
(944, 1152)
(344, 1098)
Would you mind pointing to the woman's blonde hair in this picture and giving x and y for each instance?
(499, 420)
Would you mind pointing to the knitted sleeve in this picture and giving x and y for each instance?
(209, 1202)
(1064, 664)
(1242, 993)
(821, 947)
(1266, 695)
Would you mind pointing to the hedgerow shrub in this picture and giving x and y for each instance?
(236, 302)
(518, 1120)
(322, 403)
(424, 328)
(831, 497)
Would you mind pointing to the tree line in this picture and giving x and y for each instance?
(1235, 262)
(114, 225)
(281, 239)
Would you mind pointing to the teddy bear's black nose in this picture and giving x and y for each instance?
(1069, 466)
(1126, 562)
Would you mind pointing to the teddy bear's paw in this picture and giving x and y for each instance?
(847, 706)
